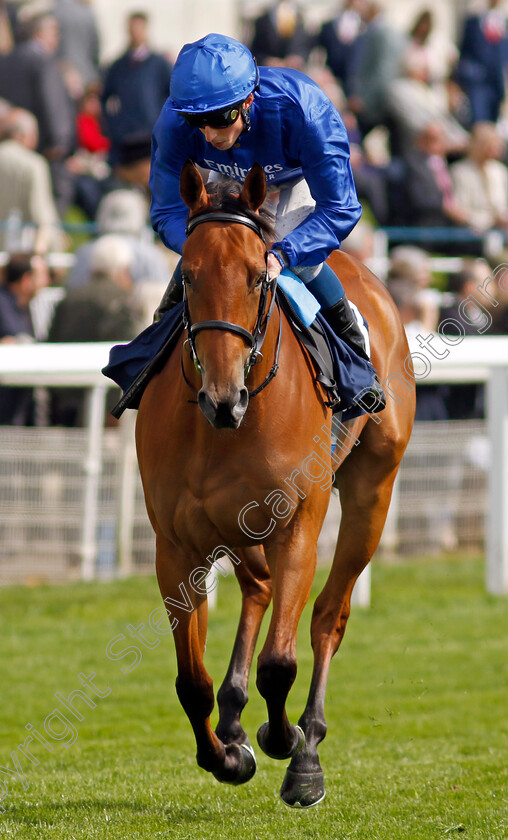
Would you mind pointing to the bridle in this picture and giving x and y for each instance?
(253, 339)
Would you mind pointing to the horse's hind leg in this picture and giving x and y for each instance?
(365, 485)
(254, 579)
(189, 615)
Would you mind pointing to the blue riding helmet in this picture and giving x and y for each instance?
(212, 73)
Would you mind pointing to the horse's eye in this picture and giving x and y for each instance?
(260, 280)
(185, 279)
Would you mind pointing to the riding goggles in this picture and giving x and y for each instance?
(222, 118)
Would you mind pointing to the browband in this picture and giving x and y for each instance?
(219, 216)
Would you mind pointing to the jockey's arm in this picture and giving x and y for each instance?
(168, 212)
(322, 147)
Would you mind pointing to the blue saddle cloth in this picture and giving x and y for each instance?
(132, 365)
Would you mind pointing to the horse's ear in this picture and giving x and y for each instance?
(254, 189)
(192, 188)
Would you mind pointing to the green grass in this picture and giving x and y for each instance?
(417, 704)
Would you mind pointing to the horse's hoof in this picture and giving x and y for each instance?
(302, 790)
(296, 747)
(245, 765)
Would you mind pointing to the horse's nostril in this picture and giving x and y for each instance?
(207, 405)
(243, 400)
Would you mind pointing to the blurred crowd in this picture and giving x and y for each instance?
(424, 114)
(428, 125)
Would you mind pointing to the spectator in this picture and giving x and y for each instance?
(136, 86)
(340, 39)
(412, 103)
(101, 310)
(30, 78)
(89, 124)
(123, 213)
(428, 184)
(481, 180)
(431, 51)
(26, 196)
(361, 243)
(467, 309)
(132, 167)
(131, 171)
(379, 56)
(370, 178)
(411, 265)
(480, 69)
(89, 162)
(23, 277)
(405, 295)
(79, 38)
(430, 399)
(280, 37)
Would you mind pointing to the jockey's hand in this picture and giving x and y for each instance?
(274, 267)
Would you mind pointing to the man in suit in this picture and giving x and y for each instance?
(79, 38)
(136, 86)
(428, 183)
(480, 69)
(377, 64)
(340, 38)
(280, 36)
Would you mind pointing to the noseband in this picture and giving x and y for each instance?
(253, 339)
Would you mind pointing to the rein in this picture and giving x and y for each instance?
(253, 339)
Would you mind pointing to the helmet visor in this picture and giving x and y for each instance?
(222, 118)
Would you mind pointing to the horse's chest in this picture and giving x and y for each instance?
(229, 507)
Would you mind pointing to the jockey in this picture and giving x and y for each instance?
(225, 114)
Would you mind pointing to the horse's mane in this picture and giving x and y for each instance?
(225, 196)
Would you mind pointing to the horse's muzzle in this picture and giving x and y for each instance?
(224, 413)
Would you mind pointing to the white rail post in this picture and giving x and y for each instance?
(127, 495)
(96, 406)
(497, 515)
(362, 590)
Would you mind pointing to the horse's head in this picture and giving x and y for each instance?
(224, 273)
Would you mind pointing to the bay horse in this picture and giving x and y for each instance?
(225, 449)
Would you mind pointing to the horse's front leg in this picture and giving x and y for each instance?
(189, 616)
(254, 578)
(291, 556)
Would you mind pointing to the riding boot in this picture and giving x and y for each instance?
(342, 320)
(172, 296)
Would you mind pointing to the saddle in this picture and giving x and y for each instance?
(339, 370)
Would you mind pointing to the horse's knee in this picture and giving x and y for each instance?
(196, 696)
(232, 695)
(276, 674)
